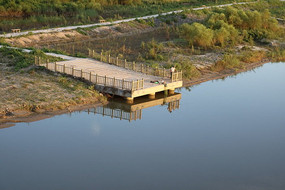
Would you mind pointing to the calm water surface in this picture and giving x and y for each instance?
(227, 134)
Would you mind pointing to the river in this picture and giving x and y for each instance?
(222, 134)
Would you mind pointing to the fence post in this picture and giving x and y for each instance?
(90, 76)
(64, 68)
(123, 84)
(96, 79)
(125, 63)
(35, 60)
(137, 84)
(93, 53)
(109, 58)
(54, 66)
(134, 66)
(72, 72)
(105, 80)
(114, 81)
(117, 61)
(101, 56)
(81, 73)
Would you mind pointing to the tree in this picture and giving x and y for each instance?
(197, 34)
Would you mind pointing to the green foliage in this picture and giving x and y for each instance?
(277, 54)
(189, 70)
(229, 61)
(31, 14)
(197, 34)
(20, 59)
(153, 48)
(230, 26)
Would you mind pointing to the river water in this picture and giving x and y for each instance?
(223, 134)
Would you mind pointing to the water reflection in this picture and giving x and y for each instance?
(117, 108)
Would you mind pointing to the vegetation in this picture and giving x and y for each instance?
(22, 59)
(30, 14)
(231, 26)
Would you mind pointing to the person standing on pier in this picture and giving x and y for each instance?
(172, 70)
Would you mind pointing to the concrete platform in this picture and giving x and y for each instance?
(117, 74)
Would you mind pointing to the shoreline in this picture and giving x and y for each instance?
(223, 74)
(29, 116)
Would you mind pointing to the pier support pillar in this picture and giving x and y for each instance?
(151, 96)
(171, 91)
(130, 100)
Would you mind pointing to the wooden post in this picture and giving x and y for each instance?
(137, 84)
(35, 60)
(105, 80)
(134, 66)
(109, 58)
(123, 84)
(114, 81)
(117, 61)
(101, 56)
(93, 53)
(72, 72)
(90, 76)
(96, 79)
(125, 63)
(39, 60)
(54, 66)
(64, 68)
(133, 85)
(81, 73)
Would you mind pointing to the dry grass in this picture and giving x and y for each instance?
(37, 89)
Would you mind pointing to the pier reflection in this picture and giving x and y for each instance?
(118, 108)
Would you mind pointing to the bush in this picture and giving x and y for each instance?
(197, 34)
(189, 70)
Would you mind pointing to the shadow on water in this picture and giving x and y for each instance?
(117, 108)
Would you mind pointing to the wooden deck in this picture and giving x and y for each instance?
(112, 79)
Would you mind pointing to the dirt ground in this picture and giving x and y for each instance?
(37, 91)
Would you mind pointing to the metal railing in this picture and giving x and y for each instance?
(138, 67)
(92, 77)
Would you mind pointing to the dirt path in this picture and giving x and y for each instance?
(109, 23)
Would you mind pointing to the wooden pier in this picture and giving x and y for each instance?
(127, 81)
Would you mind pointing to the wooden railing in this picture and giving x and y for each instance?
(92, 77)
(138, 67)
(117, 113)
(176, 76)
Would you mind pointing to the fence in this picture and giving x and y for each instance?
(94, 78)
(117, 113)
(138, 67)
